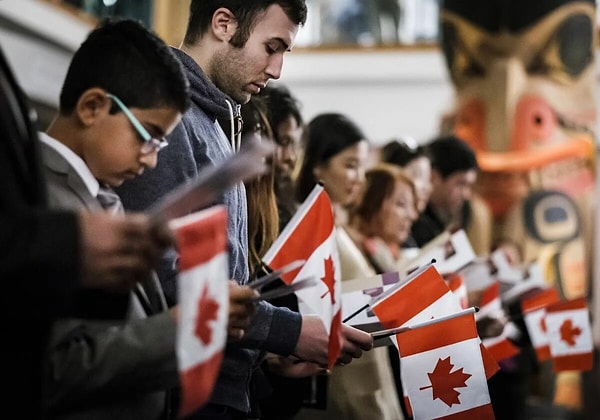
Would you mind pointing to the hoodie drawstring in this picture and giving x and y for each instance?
(235, 136)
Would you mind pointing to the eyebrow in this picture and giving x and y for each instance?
(154, 130)
(282, 42)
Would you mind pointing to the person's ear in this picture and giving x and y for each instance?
(223, 24)
(90, 105)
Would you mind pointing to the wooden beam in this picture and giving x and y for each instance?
(170, 20)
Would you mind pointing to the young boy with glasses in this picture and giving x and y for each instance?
(124, 91)
(50, 255)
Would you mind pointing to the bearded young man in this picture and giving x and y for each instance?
(231, 50)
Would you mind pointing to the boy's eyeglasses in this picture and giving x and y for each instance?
(150, 144)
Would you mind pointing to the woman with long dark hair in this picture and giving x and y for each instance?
(336, 155)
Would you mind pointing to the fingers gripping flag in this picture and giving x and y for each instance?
(310, 236)
(204, 303)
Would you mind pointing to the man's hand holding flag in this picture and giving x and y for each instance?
(310, 236)
(204, 303)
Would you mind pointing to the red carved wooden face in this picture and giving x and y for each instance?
(524, 79)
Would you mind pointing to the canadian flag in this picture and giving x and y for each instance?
(490, 306)
(570, 335)
(203, 303)
(534, 312)
(442, 373)
(456, 284)
(423, 297)
(310, 236)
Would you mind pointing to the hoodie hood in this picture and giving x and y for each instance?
(205, 94)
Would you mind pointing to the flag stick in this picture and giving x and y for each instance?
(353, 314)
(412, 275)
(398, 330)
(287, 289)
(275, 274)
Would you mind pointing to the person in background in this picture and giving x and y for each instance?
(385, 214)
(263, 229)
(415, 162)
(336, 155)
(453, 175)
(381, 221)
(263, 218)
(51, 256)
(452, 205)
(285, 118)
(230, 52)
(285, 391)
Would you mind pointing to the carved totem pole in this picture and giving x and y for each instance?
(525, 81)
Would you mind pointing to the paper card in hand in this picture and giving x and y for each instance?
(213, 181)
(451, 252)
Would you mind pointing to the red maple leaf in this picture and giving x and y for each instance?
(568, 332)
(329, 279)
(443, 382)
(206, 313)
(543, 324)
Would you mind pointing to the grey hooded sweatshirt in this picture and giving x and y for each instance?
(196, 142)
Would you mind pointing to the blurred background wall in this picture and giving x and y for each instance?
(390, 77)
(390, 90)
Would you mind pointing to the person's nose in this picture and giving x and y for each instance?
(274, 66)
(413, 214)
(149, 160)
(288, 155)
(360, 175)
(466, 192)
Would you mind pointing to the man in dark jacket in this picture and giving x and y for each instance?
(453, 175)
(230, 52)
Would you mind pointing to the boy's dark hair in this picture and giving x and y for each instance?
(449, 154)
(280, 105)
(326, 135)
(245, 11)
(129, 61)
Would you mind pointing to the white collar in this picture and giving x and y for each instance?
(75, 161)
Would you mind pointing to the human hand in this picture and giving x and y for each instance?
(174, 311)
(290, 367)
(162, 234)
(241, 309)
(488, 327)
(313, 343)
(117, 252)
(354, 342)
